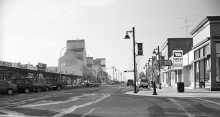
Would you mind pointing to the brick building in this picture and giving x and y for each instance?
(173, 49)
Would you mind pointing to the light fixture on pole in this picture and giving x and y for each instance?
(128, 37)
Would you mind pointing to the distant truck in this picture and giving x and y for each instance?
(93, 84)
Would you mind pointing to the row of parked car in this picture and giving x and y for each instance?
(29, 84)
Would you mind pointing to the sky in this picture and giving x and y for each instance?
(33, 31)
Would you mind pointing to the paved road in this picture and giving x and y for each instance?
(107, 101)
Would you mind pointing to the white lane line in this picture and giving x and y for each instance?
(49, 103)
(208, 101)
(73, 108)
(57, 102)
(89, 112)
(181, 107)
(14, 114)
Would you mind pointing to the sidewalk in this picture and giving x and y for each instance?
(172, 92)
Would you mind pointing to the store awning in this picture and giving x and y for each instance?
(175, 68)
(172, 69)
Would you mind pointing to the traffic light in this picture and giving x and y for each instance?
(140, 48)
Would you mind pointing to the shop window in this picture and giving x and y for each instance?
(208, 70)
(197, 71)
(196, 54)
(218, 48)
(1, 74)
(201, 67)
(201, 52)
(217, 67)
(207, 50)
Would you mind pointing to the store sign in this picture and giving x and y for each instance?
(166, 63)
(41, 66)
(4, 63)
(177, 58)
(22, 66)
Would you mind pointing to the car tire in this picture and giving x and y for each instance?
(26, 90)
(59, 87)
(10, 91)
(39, 89)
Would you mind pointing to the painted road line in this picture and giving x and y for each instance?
(73, 108)
(181, 107)
(90, 111)
(208, 101)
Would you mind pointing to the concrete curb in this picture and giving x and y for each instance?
(172, 92)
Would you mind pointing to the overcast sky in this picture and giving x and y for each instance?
(36, 30)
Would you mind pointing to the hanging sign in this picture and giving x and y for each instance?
(177, 58)
(4, 63)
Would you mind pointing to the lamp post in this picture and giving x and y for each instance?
(158, 53)
(150, 71)
(127, 37)
(153, 82)
(60, 61)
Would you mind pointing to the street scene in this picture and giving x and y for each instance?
(110, 58)
(112, 101)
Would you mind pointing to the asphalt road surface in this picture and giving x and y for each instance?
(105, 101)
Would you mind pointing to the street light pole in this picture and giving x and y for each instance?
(158, 53)
(159, 66)
(60, 61)
(127, 37)
(154, 85)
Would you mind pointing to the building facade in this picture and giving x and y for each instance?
(173, 49)
(206, 48)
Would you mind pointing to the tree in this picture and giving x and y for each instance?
(138, 65)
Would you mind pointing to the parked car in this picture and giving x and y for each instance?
(144, 83)
(23, 84)
(93, 84)
(39, 84)
(112, 83)
(130, 82)
(30, 84)
(8, 88)
(55, 84)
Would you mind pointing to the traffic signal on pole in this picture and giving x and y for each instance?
(140, 48)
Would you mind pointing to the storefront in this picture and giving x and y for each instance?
(202, 68)
(206, 47)
(9, 70)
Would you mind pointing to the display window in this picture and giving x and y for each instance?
(217, 63)
(201, 71)
(1, 74)
(217, 67)
(207, 70)
(197, 71)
